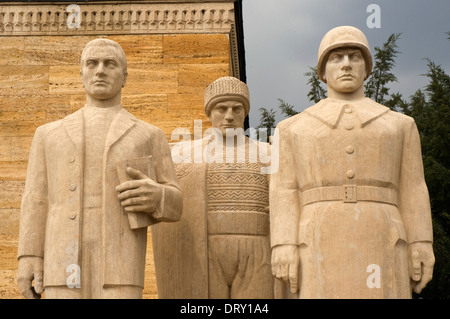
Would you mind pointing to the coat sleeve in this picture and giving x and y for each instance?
(171, 204)
(414, 201)
(34, 205)
(284, 200)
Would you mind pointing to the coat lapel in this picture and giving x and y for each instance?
(369, 111)
(74, 124)
(121, 123)
(328, 111)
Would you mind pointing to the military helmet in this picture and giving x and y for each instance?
(339, 37)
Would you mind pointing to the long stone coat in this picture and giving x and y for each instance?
(350, 192)
(52, 212)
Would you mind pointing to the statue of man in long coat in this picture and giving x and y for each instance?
(77, 237)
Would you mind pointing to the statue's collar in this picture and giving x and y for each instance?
(330, 110)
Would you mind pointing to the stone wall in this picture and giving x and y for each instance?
(40, 83)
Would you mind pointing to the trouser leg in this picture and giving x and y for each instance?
(239, 267)
(254, 278)
(218, 260)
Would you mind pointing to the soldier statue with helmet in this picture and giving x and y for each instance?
(350, 211)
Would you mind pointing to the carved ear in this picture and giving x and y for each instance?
(125, 79)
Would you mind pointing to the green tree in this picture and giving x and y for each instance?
(267, 122)
(396, 102)
(267, 117)
(286, 108)
(377, 87)
(431, 111)
(316, 92)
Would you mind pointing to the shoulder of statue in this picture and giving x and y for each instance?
(371, 106)
(75, 118)
(286, 123)
(295, 119)
(371, 103)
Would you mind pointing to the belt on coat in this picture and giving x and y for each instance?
(349, 194)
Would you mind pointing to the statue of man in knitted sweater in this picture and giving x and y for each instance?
(220, 248)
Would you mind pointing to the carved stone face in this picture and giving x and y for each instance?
(345, 70)
(227, 114)
(102, 74)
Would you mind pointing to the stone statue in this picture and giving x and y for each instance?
(220, 248)
(76, 219)
(350, 211)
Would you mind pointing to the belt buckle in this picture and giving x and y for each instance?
(349, 194)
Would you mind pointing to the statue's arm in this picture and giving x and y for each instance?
(159, 197)
(414, 206)
(284, 211)
(33, 216)
(171, 204)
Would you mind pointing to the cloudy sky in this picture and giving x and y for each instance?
(282, 38)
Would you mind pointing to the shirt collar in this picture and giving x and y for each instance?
(330, 110)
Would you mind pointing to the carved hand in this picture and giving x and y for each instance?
(30, 268)
(141, 194)
(285, 263)
(421, 263)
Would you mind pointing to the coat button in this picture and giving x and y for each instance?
(350, 174)
(350, 149)
(73, 217)
(71, 159)
(349, 126)
(348, 110)
(73, 187)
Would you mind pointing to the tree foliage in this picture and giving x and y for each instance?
(431, 111)
(267, 122)
(316, 92)
(286, 108)
(377, 87)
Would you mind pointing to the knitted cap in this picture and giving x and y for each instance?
(340, 37)
(226, 88)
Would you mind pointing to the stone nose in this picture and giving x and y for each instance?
(229, 114)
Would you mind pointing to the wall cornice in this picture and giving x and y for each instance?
(123, 17)
(112, 17)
